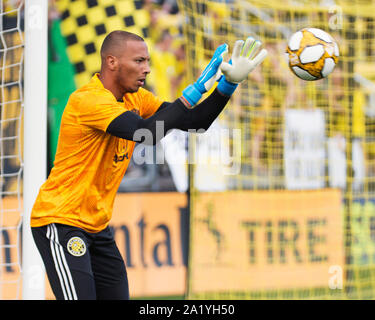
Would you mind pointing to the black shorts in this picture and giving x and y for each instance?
(82, 265)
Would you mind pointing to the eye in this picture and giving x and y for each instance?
(141, 60)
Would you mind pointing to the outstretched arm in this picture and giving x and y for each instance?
(180, 114)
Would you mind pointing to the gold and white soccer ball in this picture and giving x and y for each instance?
(312, 53)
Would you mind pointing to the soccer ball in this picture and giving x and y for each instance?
(312, 54)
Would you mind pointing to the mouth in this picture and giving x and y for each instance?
(141, 82)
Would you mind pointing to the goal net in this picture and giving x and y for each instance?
(11, 111)
(293, 216)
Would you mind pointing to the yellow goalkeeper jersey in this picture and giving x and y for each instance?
(89, 163)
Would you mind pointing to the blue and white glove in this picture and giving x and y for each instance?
(245, 58)
(207, 79)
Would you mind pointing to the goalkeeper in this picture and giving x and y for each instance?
(100, 125)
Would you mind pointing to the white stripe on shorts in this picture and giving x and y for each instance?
(61, 265)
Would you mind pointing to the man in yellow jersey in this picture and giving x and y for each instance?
(100, 125)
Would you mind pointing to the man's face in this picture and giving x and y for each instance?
(133, 66)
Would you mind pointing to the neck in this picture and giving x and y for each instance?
(110, 84)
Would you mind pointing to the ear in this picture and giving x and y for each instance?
(111, 62)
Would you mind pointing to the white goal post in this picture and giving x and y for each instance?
(35, 139)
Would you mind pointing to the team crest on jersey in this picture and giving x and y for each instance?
(76, 246)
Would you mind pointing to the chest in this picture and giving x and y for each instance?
(122, 150)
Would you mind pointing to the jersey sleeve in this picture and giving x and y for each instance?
(98, 110)
(149, 104)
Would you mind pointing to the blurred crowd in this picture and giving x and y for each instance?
(168, 76)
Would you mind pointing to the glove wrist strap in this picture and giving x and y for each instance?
(226, 87)
(191, 94)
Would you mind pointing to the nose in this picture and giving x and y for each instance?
(147, 68)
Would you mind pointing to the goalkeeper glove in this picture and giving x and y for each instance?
(207, 79)
(245, 58)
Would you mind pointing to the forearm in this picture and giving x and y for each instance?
(205, 113)
(131, 126)
(175, 115)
